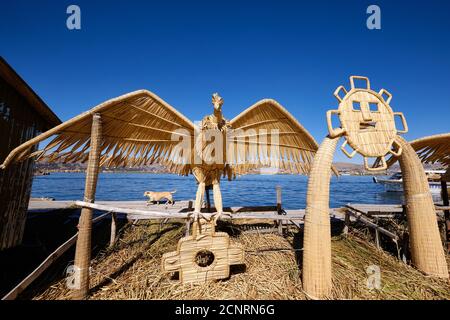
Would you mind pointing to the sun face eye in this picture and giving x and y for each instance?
(373, 106)
(356, 106)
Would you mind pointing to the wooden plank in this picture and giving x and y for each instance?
(14, 293)
(359, 215)
(375, 209)
(181, 215)
(297, 223)
(48, 205)
(112, 239)
(347, 223)
(147, 214)
(279, 210)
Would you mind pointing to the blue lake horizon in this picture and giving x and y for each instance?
(248, 190)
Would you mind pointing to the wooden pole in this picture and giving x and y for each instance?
(83, 248)
(377, 236)
(427, 253)
(279, 210)
(316, 273)
(208, 198)
(188, 221)
(445, 202)
(360, 216)
(113, 229)
(346, 223)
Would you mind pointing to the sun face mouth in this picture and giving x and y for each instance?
(367, 126)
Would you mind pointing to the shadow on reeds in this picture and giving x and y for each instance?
(236, 210)
(297, 244)
(237, 268)
(234, 269)
(44, 232)
(123, 268)
(337, 226)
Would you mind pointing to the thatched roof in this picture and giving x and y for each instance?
(296, 145)
(140, 128)
(431, 149)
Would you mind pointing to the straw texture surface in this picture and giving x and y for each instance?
(316, 273)
(203, 257)
(83, 247)
(425, 242)
(292, 148)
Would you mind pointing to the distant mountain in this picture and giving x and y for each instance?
(354, 168)
(343, 167)
(81, 167)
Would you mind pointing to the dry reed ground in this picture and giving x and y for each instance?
(131, 270)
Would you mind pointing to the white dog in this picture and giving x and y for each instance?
(157, 196)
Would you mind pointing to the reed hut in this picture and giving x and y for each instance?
(23, 115)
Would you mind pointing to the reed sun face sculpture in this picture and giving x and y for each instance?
(367, 123)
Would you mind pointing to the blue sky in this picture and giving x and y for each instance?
(294, 52)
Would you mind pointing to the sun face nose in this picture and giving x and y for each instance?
(365, 110)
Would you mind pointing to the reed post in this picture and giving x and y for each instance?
(188, 221)
(377, 235)
(112, 240)
(426, 249)
(83, 247)
(279, 210)
(346, 223)
(316, 273)
(208, 198)
(445, 202)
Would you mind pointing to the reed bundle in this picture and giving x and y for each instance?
(426, 247)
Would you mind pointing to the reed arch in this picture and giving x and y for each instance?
(368, 127)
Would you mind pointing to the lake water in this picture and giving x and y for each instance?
(246, 190)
